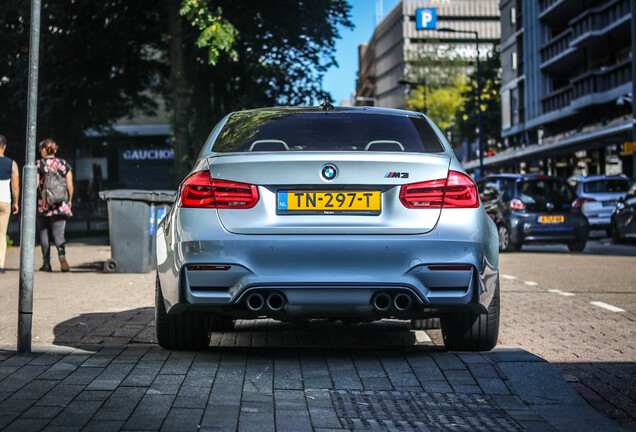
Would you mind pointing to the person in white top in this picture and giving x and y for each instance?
(9, 187)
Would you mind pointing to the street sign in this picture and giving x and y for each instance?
(426, 19)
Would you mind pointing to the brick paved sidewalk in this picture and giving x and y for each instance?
(95, 367)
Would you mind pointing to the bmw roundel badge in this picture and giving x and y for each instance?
(329, 172)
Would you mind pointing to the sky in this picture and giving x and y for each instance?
(340, 82)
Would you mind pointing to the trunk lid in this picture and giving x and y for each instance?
(358, 173)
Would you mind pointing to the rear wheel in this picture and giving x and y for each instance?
(187, 331)
(577, 245)
(505, 242)
(470, 331)
(425, 324)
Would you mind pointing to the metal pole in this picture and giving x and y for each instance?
(29, 174)
(479, 116)
(633, 7)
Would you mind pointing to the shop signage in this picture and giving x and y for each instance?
(153, 154)
(630, 147)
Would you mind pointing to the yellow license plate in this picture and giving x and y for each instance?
(329, 202)
(552, 219)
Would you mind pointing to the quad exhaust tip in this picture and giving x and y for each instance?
(382, 302)
(402, 302)
(275, 302)
(255, 302)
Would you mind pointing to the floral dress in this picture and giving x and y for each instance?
(44, 166)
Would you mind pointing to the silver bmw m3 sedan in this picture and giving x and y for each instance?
(353, 214)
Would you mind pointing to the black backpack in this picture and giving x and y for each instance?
(54, 189)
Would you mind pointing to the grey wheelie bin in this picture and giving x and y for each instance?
(133, 216)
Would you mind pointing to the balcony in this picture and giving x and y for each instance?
(556, 46)
(558, 55)
(557, 99)
(594, 82)
(559, 11)
(597, 22)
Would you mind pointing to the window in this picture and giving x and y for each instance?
(513, 16)
(513, 60)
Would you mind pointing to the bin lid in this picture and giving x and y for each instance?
(163, 196)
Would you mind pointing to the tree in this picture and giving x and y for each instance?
(439, 72)
(465, 129)
(279, 57)
(98, 63)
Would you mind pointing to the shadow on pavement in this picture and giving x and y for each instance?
(136, 326)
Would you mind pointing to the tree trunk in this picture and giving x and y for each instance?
(180, 92)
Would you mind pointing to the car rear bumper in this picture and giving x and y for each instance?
(335, 276)
(525, 228)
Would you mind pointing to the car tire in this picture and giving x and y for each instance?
(615, 234)
(505, 241)
(186, 331)
(471, 331)
(425, 324)
(577, 245)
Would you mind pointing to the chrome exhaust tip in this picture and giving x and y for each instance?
(255, 302)
(275, 302)
(382, 302)
(402, 302)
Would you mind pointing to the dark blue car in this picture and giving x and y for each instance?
(533, 208)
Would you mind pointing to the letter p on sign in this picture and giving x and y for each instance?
(426, 19)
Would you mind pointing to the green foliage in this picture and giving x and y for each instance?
(217, 34)
(466, 126)
(9, 241)
(441, 102)
(98, 61)
(440, 74)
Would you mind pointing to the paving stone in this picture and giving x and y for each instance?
(324, 418)
(111, 377)
(120, 404)
(83, 376)
(220, 417)
(41, 412)
(293, 421)
(192, 397)
(35, 389)
(182, 419)
(26, 424)
(150, 412)
(377, 383)
(104, 425)
(166, 384)
(60, 395)
(76, 414)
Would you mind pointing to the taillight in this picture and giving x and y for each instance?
(578, 203)
(200, 191)
(456, 191)
(517, 204)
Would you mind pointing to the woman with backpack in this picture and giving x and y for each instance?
(55, 195)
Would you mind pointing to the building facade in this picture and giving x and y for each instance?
(384, 61)
(566, 87)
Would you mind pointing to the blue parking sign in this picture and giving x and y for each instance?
(426, 19)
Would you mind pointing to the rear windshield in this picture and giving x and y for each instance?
(545, 190)
(606, 186)
(333, 131)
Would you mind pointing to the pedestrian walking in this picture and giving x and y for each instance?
(9, 188)
(55, 197)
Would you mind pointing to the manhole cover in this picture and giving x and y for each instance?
(419, 411)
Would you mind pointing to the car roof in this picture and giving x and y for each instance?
(603, 177)
(316, 109)
(529, 176)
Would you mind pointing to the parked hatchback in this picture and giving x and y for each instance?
(533, 208)
(597, 197)
(353, 214)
